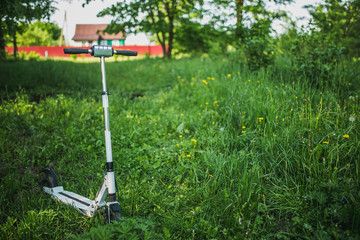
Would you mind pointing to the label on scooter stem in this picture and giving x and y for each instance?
(102, 51)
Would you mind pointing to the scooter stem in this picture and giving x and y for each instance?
(109, 160)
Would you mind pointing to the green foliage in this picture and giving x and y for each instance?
(313, 55)
(156, 17)
(33, 56)
(39, 34)
(193, 37)
(259, 51)
(73, 56)
(128, 228)
(339, 20)
(196, 39)
(14, 14)
(203, 148)
(257, 48)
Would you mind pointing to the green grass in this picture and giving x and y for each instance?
(203, 149)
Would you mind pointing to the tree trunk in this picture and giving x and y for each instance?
(239, 16)
(171, 38)
(162, 39)
(170, 10)
(163, 46)
(15, 45)
(162, 43)
(2, 42)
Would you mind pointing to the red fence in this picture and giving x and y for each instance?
(59, 52)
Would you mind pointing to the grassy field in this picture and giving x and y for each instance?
(203, 149)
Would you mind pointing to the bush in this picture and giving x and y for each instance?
(33, 56)
(73, 56)
(259, 52)
(315, 57)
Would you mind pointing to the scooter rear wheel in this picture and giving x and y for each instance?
(50, 179)
(114, 212)
(115, 216)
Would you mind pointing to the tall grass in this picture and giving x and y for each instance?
(203, 149)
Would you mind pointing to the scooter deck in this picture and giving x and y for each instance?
(83, 204)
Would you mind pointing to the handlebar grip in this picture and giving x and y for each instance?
(75, 50)
(125, 53)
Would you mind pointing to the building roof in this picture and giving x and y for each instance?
(93, 32)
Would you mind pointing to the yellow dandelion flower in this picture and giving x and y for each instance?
(258, 81)
(138, 121)
(205, 82)
(291, 109)
(229, 75)
(249, 80)
(182, 80)
(180, 136)
(192, 84)
(215, 102)
(213, 123)
(193, 140)
(177, 145)
(212, 78)
(245, 90)
(207, 103)
(346, 136)
(211, 175)
(243, 132)
(243, 127)
(188, 155)
(325, 142)
(347, 165)
(181, 115)
(179, 76)
(260, 119)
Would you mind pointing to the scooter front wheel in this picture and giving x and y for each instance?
(50, 179)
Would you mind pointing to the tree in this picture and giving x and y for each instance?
(14, 14)
(250, 27)
(340, 20)
(196, 38)
(39, 34)
(158, 17)
(249, 13)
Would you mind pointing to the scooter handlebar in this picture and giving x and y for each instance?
(100, 51)
(125, 53)
(76, 50)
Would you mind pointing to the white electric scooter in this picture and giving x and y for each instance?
(83, 204)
